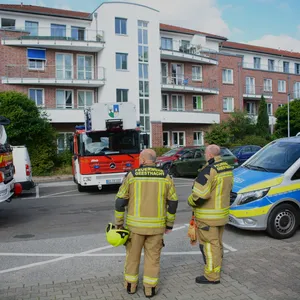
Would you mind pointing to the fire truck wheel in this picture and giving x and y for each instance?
(80, 188)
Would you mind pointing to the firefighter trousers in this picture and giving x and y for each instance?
(211, 246)
(152, 245)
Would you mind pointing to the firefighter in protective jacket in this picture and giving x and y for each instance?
(210, 200)
(151, 200)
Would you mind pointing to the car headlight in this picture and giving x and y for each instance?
(252, 196)
(85, 179)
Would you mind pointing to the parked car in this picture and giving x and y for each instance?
(244, 152)
(22, 163)
(191, 161)
(166, 159)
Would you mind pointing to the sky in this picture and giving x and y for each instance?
(270, 23)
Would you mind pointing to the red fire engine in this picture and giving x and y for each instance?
(107, 146)
(8, 187)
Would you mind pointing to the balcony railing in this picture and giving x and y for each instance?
(55, 33)
(187, 48)
(272, 68)
(54, 72)
(257, 91)
(188, 80)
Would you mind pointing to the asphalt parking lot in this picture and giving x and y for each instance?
(56, 234)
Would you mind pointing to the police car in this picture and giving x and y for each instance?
(266, 190)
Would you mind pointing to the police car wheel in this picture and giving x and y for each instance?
(283, 221)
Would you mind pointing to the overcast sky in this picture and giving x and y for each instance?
(271, 23)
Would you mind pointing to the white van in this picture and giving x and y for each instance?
(23, 173)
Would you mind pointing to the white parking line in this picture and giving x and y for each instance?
(57, 183)
(229, 247)
(65, 192)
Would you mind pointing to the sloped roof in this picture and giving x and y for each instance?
(172, 28)
(32, 9)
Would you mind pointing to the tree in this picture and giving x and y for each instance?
(281, 126)
(29, 127)
(219, 134)
(262, 126)
(240, 125)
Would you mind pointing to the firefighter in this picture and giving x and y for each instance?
(150, 197)
(210, 200)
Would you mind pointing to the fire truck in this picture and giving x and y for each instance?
(8, 187)
(107, 146)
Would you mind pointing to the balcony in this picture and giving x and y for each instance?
(65, 115)
(185, 83)
(189, 117)
(54, 75)
(255, 92)
(272, 68)
(76, 39)
(179, 51)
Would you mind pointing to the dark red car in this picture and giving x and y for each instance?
(166, 159)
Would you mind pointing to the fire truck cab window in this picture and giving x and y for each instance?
(97, 143)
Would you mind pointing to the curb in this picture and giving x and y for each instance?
(40, 179)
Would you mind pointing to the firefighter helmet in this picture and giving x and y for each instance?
(116, 237)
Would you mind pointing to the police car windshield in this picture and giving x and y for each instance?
(277, 157)
(109, 143)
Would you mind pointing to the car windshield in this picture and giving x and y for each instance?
(235, 150)
(277, 157)
(225, 152)
(109, 143)
(173, 152)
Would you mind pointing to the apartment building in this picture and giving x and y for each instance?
(181, 80)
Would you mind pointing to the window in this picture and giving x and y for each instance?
(227, 76)
(196, 73)
(32, 28)
(64, 66)
(184, 46)
(121, 61)
(8, 23)
(142, 35)
(64, 99)
(228, 104)
(58, 30)
(281, 86)
(280, 105)
(270, 109)
(120, 26)
(268, 85)
(177, 103)
(198, 103)
(297, 68)
(256, 62)
(166, 139)
(143, 71)
(122, 95)
(63, 141)
(271, 65)
(251, 108)
(286, 67)
(78, 33)
(164, 73)
(198, 138)
(297, 90)
(144, 88)
(165, 102)
(37, 95)
(85, 99)
(85, 67)
(178, 138)
(166, 43)
(143, 53)
(144, 114)
(250, 85)
(36, 58)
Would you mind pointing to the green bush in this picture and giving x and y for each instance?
(219, 134)
(161, 150)
(64, 159)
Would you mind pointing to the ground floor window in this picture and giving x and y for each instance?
(166, 139)
(63, 141)
(198, 138)
(251, 108)
(178, 138)
(270, 109)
